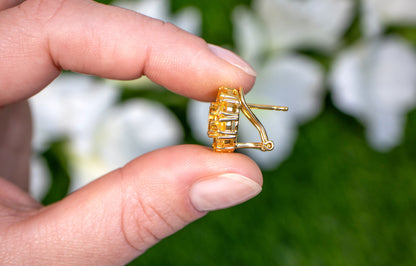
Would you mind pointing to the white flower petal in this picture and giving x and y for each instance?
(292, 80)
(249, 36)
(126, 132)
(385, 130)
(69, 107)
(39, 178)
(134, 128)
(376, 82)
(197, 114)
(152, 8)
(313, 23)
(379, 13)
(281, 128)
(188, 19)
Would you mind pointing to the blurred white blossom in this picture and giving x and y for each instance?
(250, 36)
(372, 74)
(70, 107)
(40, 179)
(101, 135)
(297, 23)
(125, 132)
(375, 81)
(377, 14)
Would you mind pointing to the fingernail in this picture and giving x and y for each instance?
(232, 58)
(222, 192)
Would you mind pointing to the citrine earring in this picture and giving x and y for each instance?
(223, 121)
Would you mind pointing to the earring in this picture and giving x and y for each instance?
(223, 121)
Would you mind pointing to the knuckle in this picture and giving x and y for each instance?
(144, 219)
(143, 224)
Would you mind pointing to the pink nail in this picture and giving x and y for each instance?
(222, 192)
(232, 58)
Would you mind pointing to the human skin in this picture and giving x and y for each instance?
(120, 215)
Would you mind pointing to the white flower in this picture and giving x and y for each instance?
(40, 179)
(379, 13)
(69, 108)
(297, 23)
(249, 36)
(375, 81)
(127, 131)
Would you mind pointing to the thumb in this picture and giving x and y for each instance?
(119, 216)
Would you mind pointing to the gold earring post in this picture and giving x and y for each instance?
(223, 121)
(268, 107)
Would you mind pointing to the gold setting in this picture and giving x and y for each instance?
(223, 121)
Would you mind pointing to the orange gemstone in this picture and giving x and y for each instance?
(223, 120)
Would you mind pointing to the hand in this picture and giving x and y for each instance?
(117, 217)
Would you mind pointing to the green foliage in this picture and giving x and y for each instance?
(107, 2)
(408, 32)
(354, 31)
(56, 160)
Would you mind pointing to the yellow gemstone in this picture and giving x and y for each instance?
(223, 120)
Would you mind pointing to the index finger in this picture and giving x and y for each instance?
(39, 38)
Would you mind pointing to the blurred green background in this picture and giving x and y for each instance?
(334, 201)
